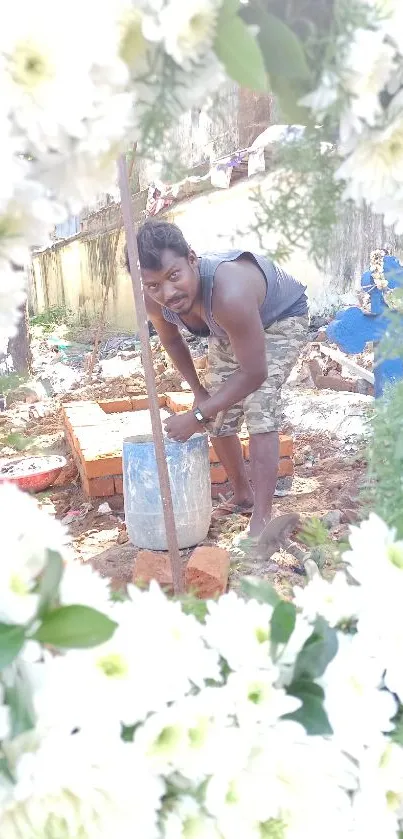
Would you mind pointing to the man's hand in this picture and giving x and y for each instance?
(181, 426)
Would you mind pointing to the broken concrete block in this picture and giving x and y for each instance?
(153, 566)
(207, 572)
(335, 383)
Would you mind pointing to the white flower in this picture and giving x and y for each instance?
(324, 96)
(81, 584)
(69, 786)
(187, 820)
(240, 631)
(25, 539)
(118, 673)
(336, 601)
(4, 716)
(12, 297)
(253, 697)
(368, 66)
(52, 95)
(185, 738)
(27, 220)
(189, 29)
(374, 170)
(359, 711)
(378, 804)
(290, 782)
(375, 557)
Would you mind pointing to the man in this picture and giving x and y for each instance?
(256, 319)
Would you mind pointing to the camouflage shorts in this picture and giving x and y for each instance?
(261, 410)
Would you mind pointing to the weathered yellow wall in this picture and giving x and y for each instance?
(74, 273)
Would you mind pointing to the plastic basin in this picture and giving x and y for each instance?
(32, 474)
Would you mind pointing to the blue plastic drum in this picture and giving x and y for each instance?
(189, 473)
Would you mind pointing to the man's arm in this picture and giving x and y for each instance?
(175, 345)
(237, 311)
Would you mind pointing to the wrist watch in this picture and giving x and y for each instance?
(199, 416)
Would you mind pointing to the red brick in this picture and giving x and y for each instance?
(101, 467)
(285, 467)
(141, 403)
(68, 474)
(115, 406)
(217, 473)
(118, 482)
(179, 402)
(212, 455)
(335, 383)
(207, 572)
(286, 445)
(218, 490)
(82, 414)
(98, 487)
(152, 566)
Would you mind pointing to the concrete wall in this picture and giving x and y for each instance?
(74, 273)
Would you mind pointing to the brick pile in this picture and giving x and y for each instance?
(95, 432)
(205, 575)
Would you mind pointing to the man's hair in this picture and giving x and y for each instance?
(154, 237)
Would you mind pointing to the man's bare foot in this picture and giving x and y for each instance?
(271, 537)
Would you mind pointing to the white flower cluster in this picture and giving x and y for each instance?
(366, 86)
(180, 729)
(76, 89)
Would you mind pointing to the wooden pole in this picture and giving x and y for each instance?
(142, 322)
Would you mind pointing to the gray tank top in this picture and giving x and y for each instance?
(285, 296)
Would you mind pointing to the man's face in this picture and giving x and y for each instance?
(176, 284)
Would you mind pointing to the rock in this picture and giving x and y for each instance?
(332, 519)
(207, 572)
(335, 383)
(122, 537)
(104, 509)
(153, 566)
(29, 394)
(349, 517)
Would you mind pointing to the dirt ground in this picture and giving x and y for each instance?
(328, 475)
(325, 480)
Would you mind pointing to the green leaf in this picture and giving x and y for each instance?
(12, 639)
(5, 770)
(240, 54)
(194, 606)
(75, 627)
(317, 652)
(18, 698)
(282, 50)
(288, 94)
(50, 581)
(259, 590)
(229, 8)
(283, 622)
(311, 714)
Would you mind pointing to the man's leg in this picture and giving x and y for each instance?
(264, 458)
(284, 341)
(223, 431)
(229, 452)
